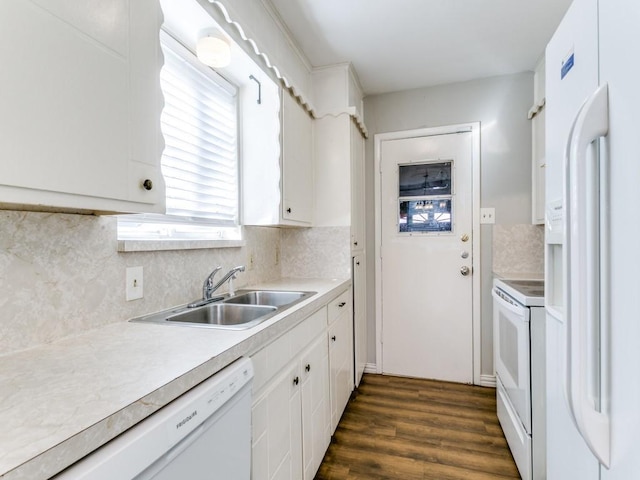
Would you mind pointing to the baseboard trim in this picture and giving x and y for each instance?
(485, 380)
(370, 368)
(488, 381)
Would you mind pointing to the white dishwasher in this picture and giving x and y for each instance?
(203, 435)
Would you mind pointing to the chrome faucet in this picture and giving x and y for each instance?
(208, 288)
(230, 276)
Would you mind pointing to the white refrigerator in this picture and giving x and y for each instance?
(592, 236)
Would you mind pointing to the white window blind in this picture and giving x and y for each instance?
(200, 159)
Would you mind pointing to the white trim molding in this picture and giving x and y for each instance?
(371, 368)
(474, 128)
(488, 381)
(295, 91)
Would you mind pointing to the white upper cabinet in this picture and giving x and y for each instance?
(357, 190)
(339, 152)
(80, 105)
(277, 174)
(538, 160)
(297, 163)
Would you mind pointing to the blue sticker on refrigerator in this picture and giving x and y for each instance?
(567, 65)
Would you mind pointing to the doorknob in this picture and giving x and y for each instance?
(464, 271)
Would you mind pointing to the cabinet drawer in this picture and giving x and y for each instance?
(338, 306)
(305, 332)
(274, 357)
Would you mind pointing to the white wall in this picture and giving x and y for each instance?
(501, 105)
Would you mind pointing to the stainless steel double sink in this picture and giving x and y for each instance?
(245, 309)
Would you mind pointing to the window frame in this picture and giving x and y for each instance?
(166, 231)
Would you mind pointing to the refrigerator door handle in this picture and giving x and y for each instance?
(584, 271)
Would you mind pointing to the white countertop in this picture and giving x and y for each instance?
(60, 401)
(519, 275)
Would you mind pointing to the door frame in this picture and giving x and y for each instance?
(474, 128)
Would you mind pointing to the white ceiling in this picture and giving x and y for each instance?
(402, 44)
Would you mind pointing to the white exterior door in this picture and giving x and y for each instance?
(426, 213)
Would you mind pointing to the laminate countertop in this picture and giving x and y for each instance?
(61, 401)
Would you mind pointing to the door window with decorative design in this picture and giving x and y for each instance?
(425, 197)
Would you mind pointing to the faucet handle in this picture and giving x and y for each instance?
(207, 286)
(213, 274)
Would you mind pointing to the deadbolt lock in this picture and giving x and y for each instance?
(464, 237)
(464, 271)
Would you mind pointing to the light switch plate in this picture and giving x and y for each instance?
(134, 285)
(487, 215)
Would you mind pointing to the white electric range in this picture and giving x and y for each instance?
(519, 359)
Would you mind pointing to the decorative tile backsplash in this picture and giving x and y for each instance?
(518, 249)
(320, 252)
(62, 274)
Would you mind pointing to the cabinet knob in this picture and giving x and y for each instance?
(342, 304)
(296, 381)
(289, 210)
(308, 367)
(333, 338)
(147, 184)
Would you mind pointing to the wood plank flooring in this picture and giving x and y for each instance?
(405, 428)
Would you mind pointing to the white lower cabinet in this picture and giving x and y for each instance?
(290, 413)
(359, 276)
(276, 426)
(340, 335)
(315, 406)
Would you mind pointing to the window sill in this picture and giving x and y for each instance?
(160, 245)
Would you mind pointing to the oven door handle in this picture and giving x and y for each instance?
(504, 304)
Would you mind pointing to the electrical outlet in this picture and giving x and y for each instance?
(134, 284)
(487, 215)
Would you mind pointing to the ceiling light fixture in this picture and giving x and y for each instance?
(213, 48)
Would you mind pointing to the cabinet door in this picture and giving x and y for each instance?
(357, 190)
(315, 406)
(297, 165)
(359, 317)
(340, 365)
(276, 429)
(538, 160)
(80, 105)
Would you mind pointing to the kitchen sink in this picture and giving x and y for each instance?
(267, 297)
(223, 314)
(245, 309)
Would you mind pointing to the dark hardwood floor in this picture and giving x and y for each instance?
(405, 428)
